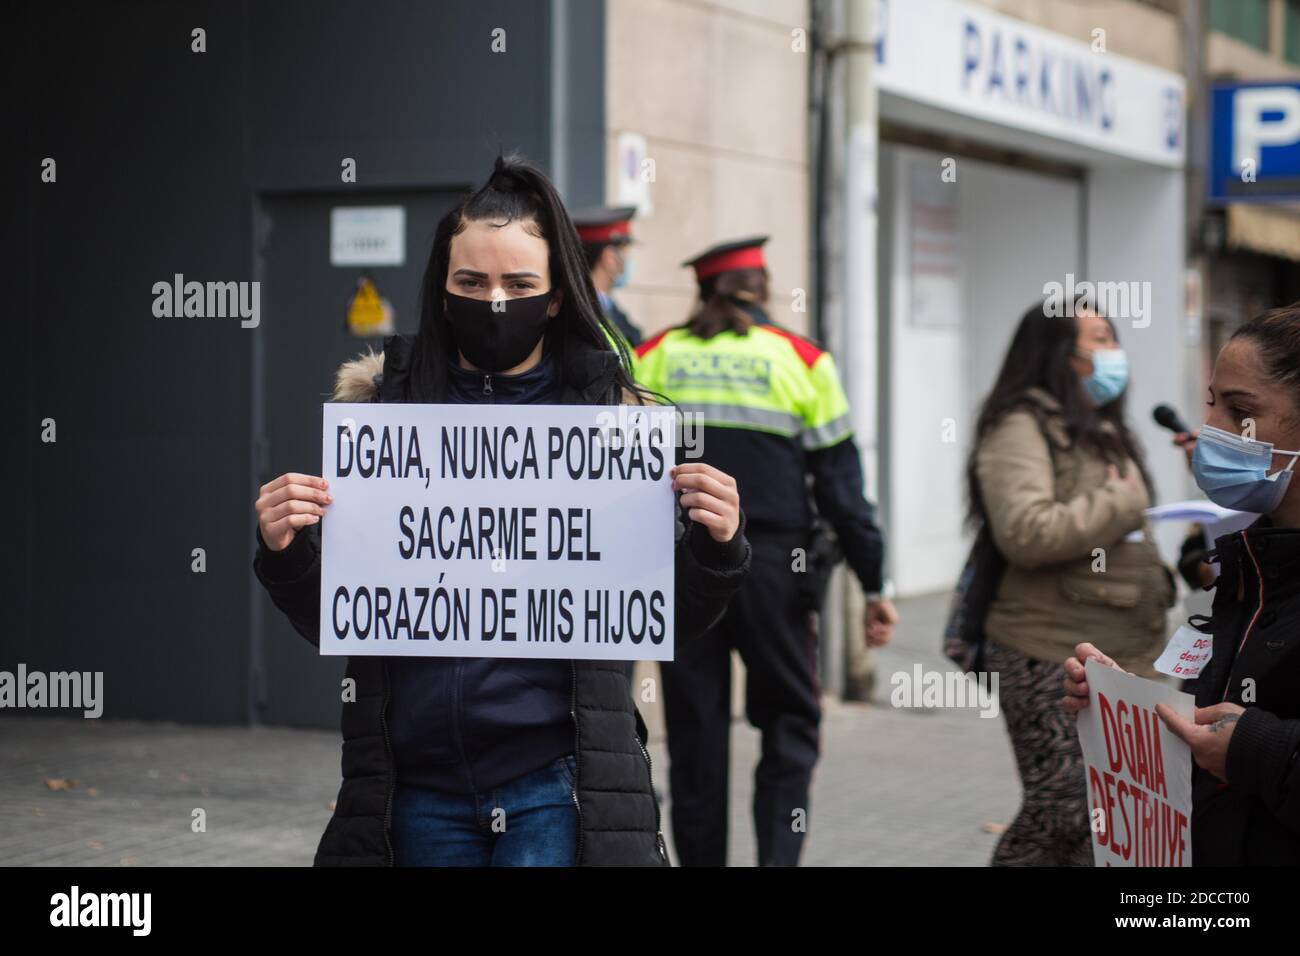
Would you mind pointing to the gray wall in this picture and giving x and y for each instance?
(163, 157)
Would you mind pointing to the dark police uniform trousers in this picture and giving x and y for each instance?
(770, 623)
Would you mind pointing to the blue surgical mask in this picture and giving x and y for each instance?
(625, 276)
(1233, 471)
(1109, 376)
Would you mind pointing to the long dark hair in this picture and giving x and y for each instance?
(1039, 357)
(722, 301)
(517, 191)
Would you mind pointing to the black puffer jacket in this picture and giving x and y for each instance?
(1254, 819)
(618, 816)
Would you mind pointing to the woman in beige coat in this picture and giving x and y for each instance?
(1060, 481)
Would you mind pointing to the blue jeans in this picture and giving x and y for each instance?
(529, 821)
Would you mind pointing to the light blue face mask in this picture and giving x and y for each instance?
(1233, 471)
(1109, 376)
(626, 275)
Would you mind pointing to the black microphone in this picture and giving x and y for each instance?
(1167, 416)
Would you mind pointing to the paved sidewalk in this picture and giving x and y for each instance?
(895, 787)
(265, 791)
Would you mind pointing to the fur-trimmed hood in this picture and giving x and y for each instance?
(586, 372)
(358, 380)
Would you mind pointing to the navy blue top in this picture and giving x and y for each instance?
(467, 724)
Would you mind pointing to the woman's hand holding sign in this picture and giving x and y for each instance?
(288, 503)
(1208, 737)
(711, 496)
(1076, 683)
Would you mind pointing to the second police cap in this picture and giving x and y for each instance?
(604, 223)
(726, 256)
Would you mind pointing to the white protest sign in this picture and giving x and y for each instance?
(1139, 775)
(498, 531)
(1187, 652)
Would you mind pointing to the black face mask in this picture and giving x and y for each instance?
(497, 340)
(756, 312)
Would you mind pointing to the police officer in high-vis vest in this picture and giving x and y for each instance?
(606, 233)
(774, 415)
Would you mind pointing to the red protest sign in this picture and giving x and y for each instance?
(1139, 774)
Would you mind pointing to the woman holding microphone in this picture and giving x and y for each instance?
(435, 748)
(1246, 734)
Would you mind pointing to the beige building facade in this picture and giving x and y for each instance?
(718, 90)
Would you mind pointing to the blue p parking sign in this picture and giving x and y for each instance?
(1255, 142)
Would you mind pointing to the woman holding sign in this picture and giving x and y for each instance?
(1245, 740)
(499, 761)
